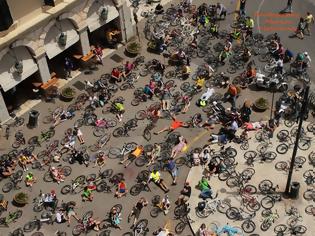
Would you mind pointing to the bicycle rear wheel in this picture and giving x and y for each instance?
(114, 152)
(98, 131)
(7, 187)
(267, 202)
(30, 226)
(265, 186)
(232, 213)
(282, 148)
(65, 189)
(66, 170)
(141, 161)
(77, 230)
(136, 189)
(118, 132)
(155, 212)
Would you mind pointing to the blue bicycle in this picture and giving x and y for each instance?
(226, 229)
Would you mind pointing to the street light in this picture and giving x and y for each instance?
(298, 135)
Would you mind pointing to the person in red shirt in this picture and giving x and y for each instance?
(121, 189)
(231, 95)
(116, 75)
(175, 124)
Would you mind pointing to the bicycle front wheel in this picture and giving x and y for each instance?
(267, 202)
(155, 212)
(179, 228)
(30, 226)
(77, 230)
(248, 226)
(282, 148)
(118, 132)
(136, 189)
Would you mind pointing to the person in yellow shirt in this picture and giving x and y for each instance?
(137, 152)
(186, 71)
(112, 37)
(200, 82)
(309, 19)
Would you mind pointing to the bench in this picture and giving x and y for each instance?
(50, 82)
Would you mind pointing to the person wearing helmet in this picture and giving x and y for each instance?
(30, 179)
(307, 60)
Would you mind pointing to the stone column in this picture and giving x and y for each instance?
(4, 114)
(126, 26)
(84, 40)
(43, 67)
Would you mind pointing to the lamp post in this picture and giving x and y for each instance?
(298, 135)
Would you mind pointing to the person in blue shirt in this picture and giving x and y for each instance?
(172, 168)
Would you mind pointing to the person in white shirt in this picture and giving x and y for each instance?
(279, 68)
(209, 70)
(307, 59)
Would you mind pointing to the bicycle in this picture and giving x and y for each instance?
(124, 130)
(52, 117)
(141, 184)
(126, 149)
(37, 223)
(65, 170)
(100, 143)
(82, 227)
(12, 217)
(205, 208)
(147, 131)
(109, 222)
(229, 230)
(184, 221)
(101, 125)
(77, 185)
(269, 201)
(15, 179)
(251, 156)
(269, 219)
(44, 136)
(19, 139)
(141, 228)
(234, 214)
(291, 230)
(266, 187)
(285, 166)
(311, 158)
(157, 206)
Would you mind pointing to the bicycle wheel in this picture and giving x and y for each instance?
(141, 226)
(16, 144)
(232, 182)
(265, 186)
(103, 187)
(48, 177)
(98, 131)
(232, 213)
(304, 144)
(114, 153)
(17, 232)
(77, 230)
(270, 156)
(141, 115)
(289, 123)
(7, 187)
(118, 132)
(281, 166)
(147, 134)
(250, 189)
(250, 154)
(311, 127)
(38, 207)
(228, 161)
(179, 228)
(185, 86)
(66, 170)
(299, 229)
(141, 161)
(66, 189)
(283, 135)
(231, 152)
(265, 225)
(135, 102)
(310, 210)
(282, 148)
(30, 226)
(248, 226)
(267, 202)
(136, 189)
(253, 206)
(223, 176)
(248, 173)
(155, 212)
(309, 195)
(280, 229)
(105, 233)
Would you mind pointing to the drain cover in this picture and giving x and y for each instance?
(79, 85)
(116, 58)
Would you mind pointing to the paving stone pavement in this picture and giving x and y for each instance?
(263, 171)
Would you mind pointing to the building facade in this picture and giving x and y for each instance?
(36, 35)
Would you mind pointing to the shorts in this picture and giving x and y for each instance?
(136, 212)
(122, 190)
(158, 181)
(71, 213)
(174, 172)
(184, 197)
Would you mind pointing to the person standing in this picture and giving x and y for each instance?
(242, 8)
(98, 52)
(173, 169)
(68, 67)
(309, 19)
(288, 9)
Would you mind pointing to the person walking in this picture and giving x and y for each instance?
(300, 28)
(309, 19)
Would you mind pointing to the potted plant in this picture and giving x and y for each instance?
(21, 198)
(261, 104)
(62, 39)
(18, 67)
(67, 94)
(103, 13)
(133, 47)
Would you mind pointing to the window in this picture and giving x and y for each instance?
(5, 16)
(49, 2)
